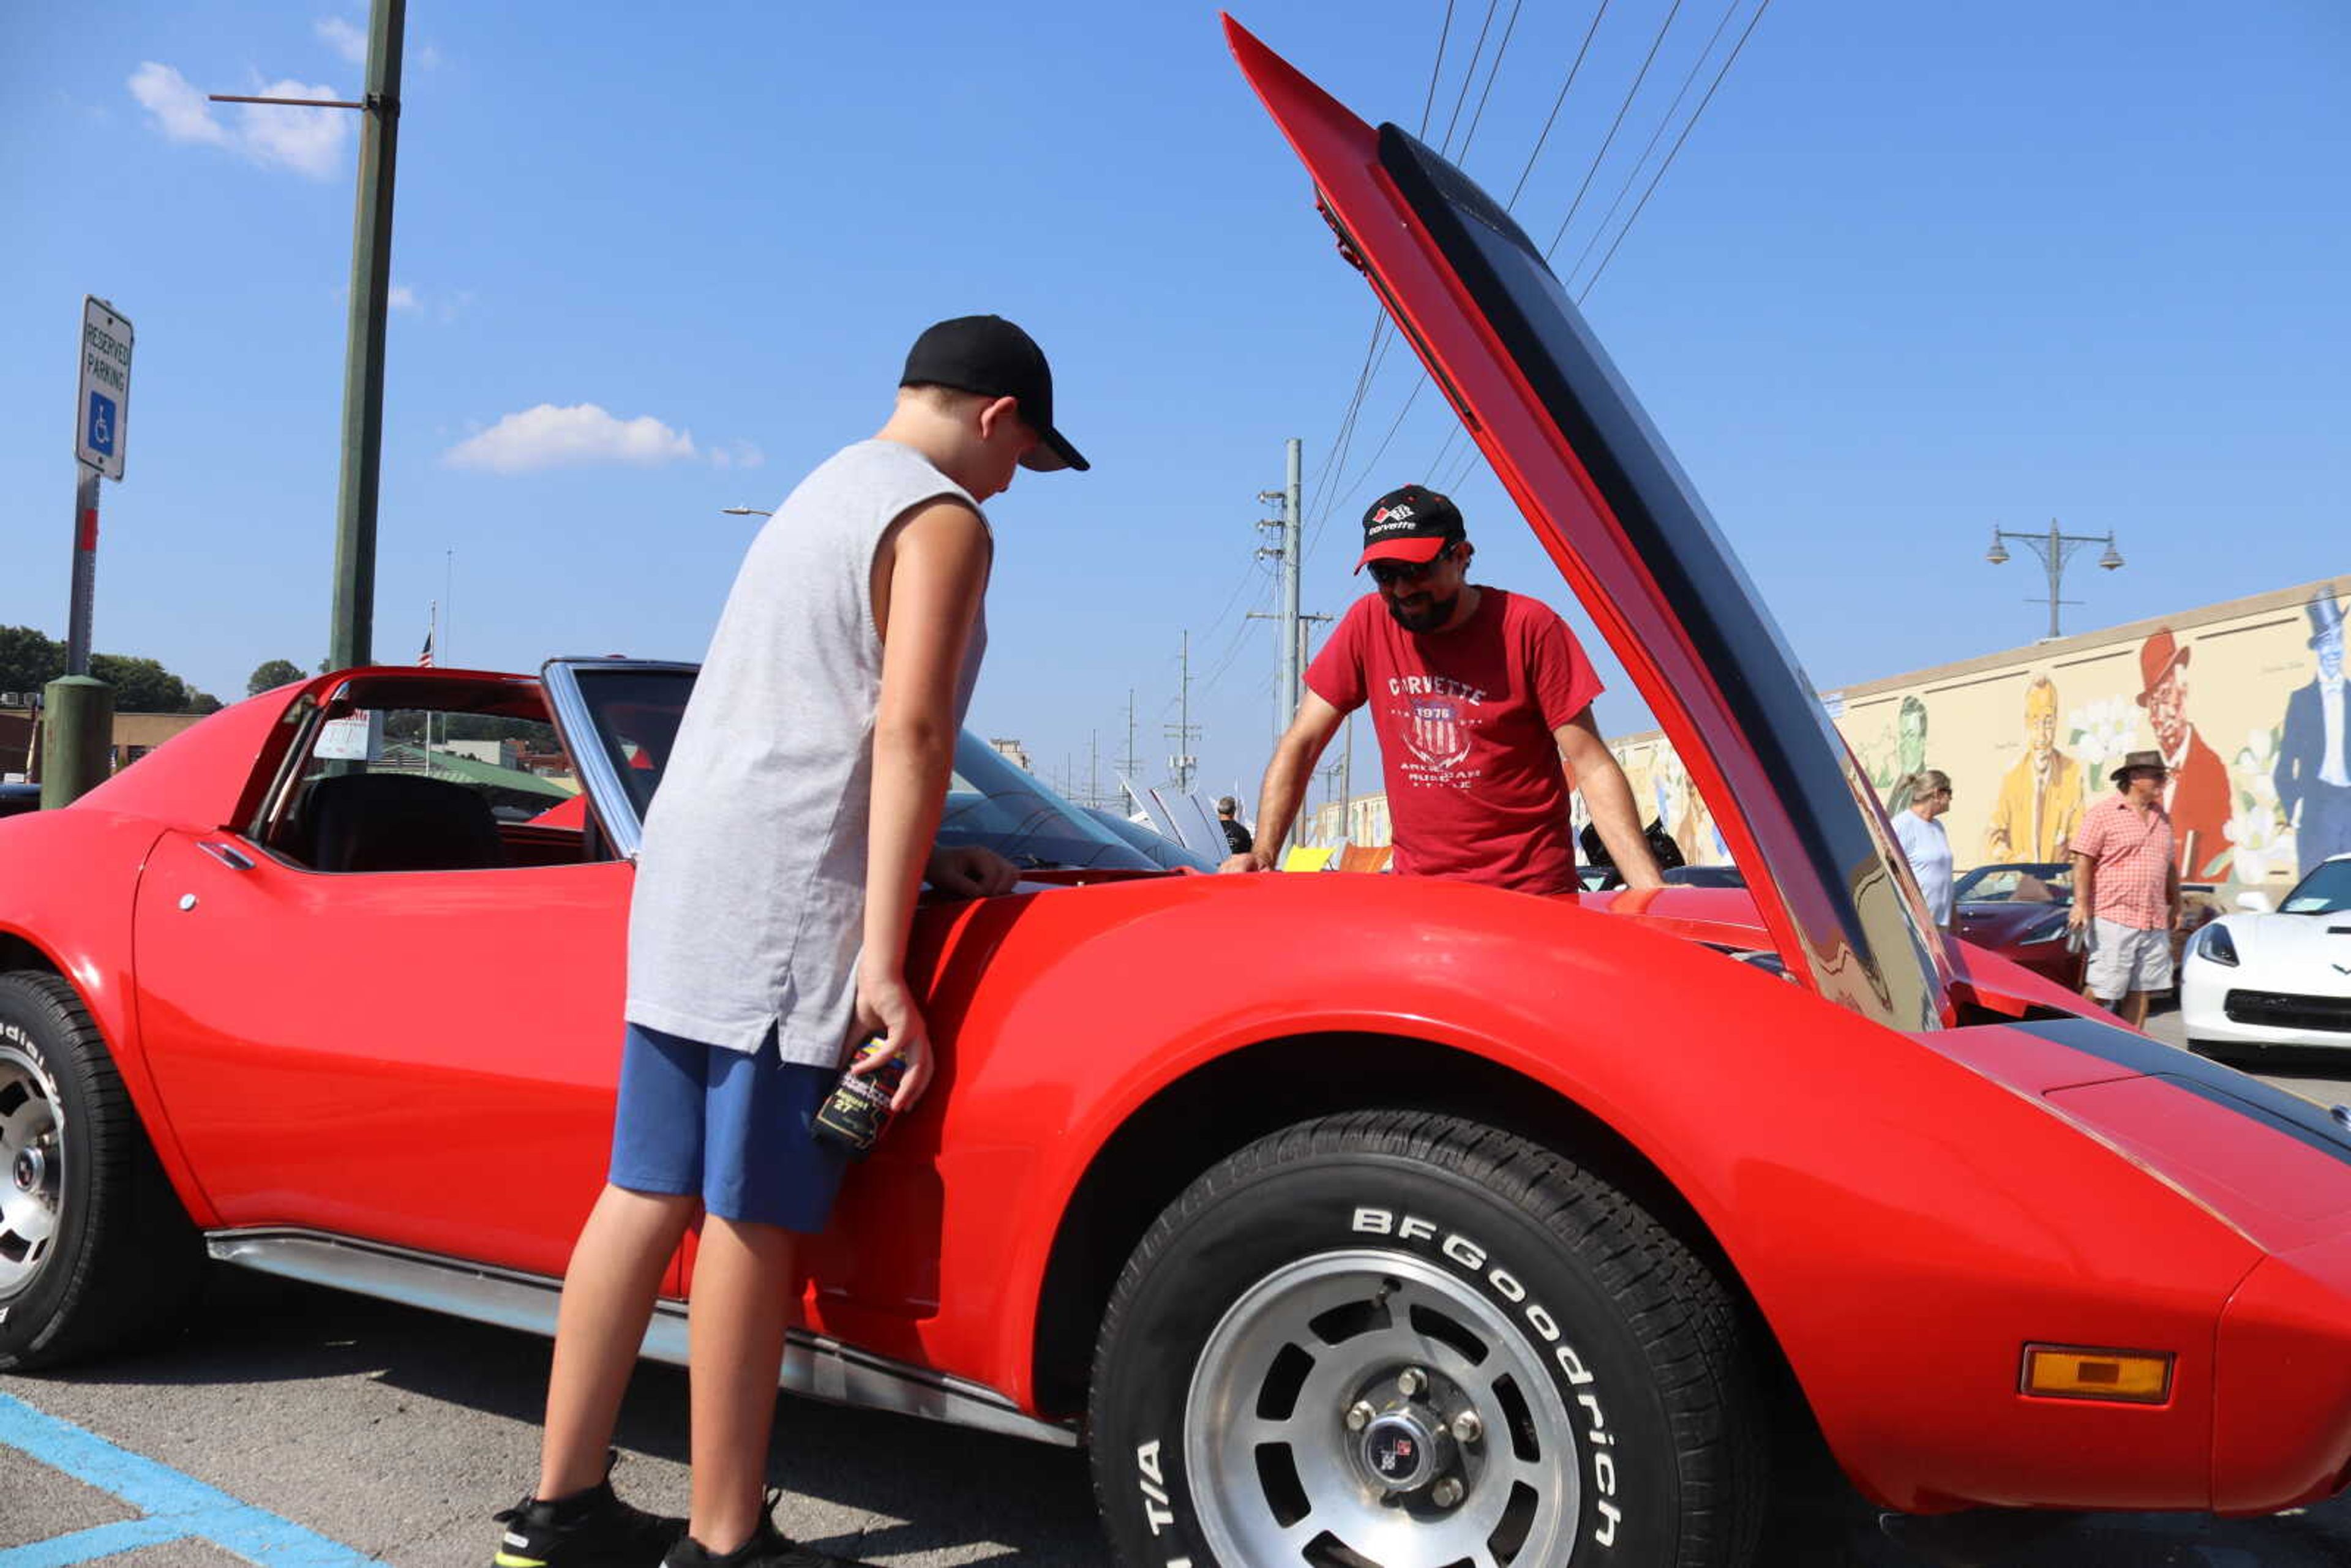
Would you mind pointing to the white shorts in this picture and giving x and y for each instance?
(2125, 959)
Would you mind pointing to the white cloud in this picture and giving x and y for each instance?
(549, 437)
(343, 39)
(309, 140)
(180, 110)
(403, 297)
(737, 454)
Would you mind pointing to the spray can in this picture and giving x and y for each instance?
(854, 1114)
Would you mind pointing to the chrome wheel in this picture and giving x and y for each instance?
(32, 1169)
(1365, 1406)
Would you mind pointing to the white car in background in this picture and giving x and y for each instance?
(2261, 978)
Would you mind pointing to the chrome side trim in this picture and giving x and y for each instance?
(815, 1365)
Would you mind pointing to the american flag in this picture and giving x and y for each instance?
(424, 659)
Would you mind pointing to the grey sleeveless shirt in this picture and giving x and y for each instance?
(749, 904)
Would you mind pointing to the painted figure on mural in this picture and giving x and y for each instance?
(2196, 794)
(1910, 755)
(2039, 799)
(2313, 783)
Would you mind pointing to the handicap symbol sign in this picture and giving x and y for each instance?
(100, 436)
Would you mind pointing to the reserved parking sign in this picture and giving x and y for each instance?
(103, 405)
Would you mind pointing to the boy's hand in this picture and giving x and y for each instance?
(970, 871)
(886, 1012)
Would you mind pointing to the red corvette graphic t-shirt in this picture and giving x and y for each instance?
(1476, 790)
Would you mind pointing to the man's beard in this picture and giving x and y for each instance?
(1433, 613)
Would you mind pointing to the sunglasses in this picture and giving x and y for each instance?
(1388, 573)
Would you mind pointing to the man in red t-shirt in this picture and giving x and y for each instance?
(1477, 696)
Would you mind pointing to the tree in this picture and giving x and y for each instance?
(30, 659)
(141, 685)
(274, 673)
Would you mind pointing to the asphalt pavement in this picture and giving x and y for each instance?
(292, 1425)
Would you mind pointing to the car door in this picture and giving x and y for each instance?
(421, 1058)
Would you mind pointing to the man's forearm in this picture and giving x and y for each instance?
(1278, 800)
(1610, 798)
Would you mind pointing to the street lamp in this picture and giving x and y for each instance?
(747, 512)
(2054, 551)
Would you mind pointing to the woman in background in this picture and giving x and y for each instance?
(1924, 842)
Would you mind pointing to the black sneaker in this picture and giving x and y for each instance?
(766, 1549)
(594, 1529)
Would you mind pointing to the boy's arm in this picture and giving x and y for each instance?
(937, 570)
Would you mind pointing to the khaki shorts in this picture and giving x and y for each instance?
(2124, 959)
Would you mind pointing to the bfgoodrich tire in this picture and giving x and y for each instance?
(1396, 1340)
(95, 1250)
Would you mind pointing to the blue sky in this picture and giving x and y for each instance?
(1918, 271)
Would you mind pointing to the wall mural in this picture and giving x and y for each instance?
(2248, 710)
(2039, 799)
(2308, 783)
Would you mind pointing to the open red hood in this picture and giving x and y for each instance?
(1501, 338)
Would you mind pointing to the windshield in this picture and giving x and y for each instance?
(2326, 891)
(2035, 884)
(635, 709)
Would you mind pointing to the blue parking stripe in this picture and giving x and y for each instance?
(174, 1505)
(87, 1545)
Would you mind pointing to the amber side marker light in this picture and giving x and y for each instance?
(2075, 1371)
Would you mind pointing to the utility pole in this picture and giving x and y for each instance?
(351, 634)
(1093, 769)
(1347, 782)
(1290, 548)
(1183, 732)
(1128, 763)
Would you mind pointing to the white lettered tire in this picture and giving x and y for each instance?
(1408, 1340)
(95, 1250)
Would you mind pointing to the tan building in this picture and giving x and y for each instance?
(2242, 699)
(135, 735)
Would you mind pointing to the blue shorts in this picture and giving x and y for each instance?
(695, 1119)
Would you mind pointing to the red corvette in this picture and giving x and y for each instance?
(1430, 1225)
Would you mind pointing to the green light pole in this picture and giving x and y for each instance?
(350, 636)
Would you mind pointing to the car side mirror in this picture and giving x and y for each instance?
(2254, 903)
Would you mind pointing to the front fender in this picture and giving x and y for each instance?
(1885, 1205)
(71, 881)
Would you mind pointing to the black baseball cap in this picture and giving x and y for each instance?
(1410, 523)
(990, 356)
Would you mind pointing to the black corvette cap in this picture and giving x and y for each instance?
(988, 355)
(1411, 523)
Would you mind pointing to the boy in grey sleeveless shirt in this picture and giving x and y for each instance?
(782, 855)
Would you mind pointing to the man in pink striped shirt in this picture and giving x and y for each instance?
(2127, 888)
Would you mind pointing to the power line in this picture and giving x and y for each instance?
(1471, 74)
(1555, 104)
(1491, 72)
(1665, 122)
(1341, 496)
(1608, 141)
(1437, 69)
(1677, 147)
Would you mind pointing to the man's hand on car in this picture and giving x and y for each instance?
(1248, 861)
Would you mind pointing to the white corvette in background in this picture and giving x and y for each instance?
(2262, 978)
